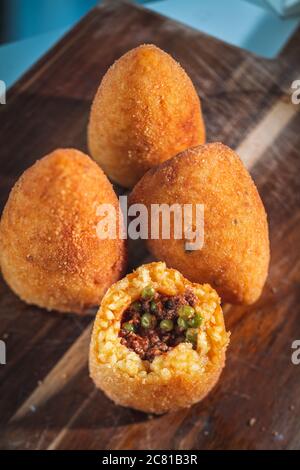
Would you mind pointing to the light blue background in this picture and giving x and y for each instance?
(33, 26)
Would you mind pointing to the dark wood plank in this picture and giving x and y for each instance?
(241, 94)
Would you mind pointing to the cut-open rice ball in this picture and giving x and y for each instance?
(159, 341)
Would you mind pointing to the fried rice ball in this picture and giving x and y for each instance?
(50, 254)
(235, 255)
(146, 110)
(173, 377)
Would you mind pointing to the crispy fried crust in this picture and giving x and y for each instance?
(146, 110)
(235, 255)
(176, 379)
(50, 254)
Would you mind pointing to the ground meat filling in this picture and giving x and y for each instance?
(155, 323)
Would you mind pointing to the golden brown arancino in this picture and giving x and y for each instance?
(235, 255)
(146, 110)
(50, 253)
(173, 380)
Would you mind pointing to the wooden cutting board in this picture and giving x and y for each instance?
(47, 398)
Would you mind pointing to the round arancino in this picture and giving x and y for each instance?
(235, 255)
(50, 253)
(146, 110)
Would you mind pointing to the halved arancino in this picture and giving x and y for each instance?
(178, 371)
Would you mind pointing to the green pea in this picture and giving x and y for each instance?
(153, 306)
(191, 336)
(148, 293)
(129, 327)
(186, 311)
(166, 325)
(137, 305)
(146, 320)
(195, 321)
(182, 323)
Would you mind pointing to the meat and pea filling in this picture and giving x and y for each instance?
(155, 323)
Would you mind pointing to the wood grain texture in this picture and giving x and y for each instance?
(47, 398)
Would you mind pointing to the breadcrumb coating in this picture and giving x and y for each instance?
(146, 110)
(174, 379)
(50, 253)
